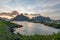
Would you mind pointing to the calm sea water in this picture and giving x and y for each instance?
(30, 28)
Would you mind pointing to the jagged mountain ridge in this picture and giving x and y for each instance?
(21, 17)
(25, 18)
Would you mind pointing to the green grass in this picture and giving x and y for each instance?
(6, 34)
(4, 31)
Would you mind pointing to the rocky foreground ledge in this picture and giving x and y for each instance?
(13, 27)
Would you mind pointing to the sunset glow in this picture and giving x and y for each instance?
(30, 16)
(8, 17)
(46, 7)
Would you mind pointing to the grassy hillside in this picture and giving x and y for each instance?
(5, 30)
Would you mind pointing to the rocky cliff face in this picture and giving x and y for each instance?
(21, 17)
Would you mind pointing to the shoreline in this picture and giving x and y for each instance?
(54, 25)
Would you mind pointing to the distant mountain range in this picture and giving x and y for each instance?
(14, 15)
(40, 18)
(21, 17)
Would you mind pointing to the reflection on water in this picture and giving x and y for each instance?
(30, 28)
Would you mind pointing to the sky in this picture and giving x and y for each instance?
(49, 8)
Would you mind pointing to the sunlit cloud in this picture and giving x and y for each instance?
(44, 7)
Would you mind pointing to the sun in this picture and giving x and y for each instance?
(30, 16)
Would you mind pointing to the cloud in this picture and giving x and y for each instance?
(48, 8)
(45, 7)
(5, 8)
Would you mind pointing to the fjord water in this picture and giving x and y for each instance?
(30, 28)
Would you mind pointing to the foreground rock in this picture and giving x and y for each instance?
(13, 27)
